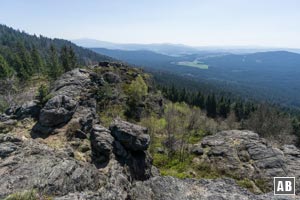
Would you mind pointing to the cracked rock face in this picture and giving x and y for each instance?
(58, 110)
(244, 154)
(27, 164)
(133, 137)
(102, 142)
(71, 100)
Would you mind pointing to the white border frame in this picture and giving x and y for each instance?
(286, 194)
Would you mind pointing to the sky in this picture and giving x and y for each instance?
(265, 23)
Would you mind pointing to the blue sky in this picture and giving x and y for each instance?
(271, 23)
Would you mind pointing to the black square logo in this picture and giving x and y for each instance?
(284, 185)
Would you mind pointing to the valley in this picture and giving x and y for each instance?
(265, 74)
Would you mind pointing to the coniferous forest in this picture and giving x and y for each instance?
(23, 55)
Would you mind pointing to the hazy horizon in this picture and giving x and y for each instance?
(230, 23)
(193, 46)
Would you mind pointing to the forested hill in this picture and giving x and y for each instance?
(24, 54)
(144, 58)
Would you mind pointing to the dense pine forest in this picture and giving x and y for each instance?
(23, 55)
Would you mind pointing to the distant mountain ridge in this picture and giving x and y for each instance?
(176, 49)
(164, 48)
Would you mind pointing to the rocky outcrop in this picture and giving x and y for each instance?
(28, 164)
(243, 154)
(126, 143)
(131, 136)
(71, 101)
(58, 110)
(119, 166)
(71, 112)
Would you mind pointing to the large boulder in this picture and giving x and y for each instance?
(132, 137)
(102, 142)
(58, 110)
(111, 77)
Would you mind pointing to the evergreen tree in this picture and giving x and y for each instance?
(223, 107)
(72, 58)
(5, 70)
(239, 110)
(174, 96)
(249, 108)
(23, 62)
(37, 61)
(19, 67)
(55, 69)
(183, 95)
(68, 58)
(64, 58)
(200, 101)
(211, 107)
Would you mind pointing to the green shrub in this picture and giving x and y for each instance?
(25, 195)
(28, 195)
(173, 166)
(160, 160)
(196, 137)
(43, 94)
(111, 112)
(207, 171)
(3, 105)
(246, 183)
(73, 127)
(137, 89)
(262, 184)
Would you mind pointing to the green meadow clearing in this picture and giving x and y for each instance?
(194, 63)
